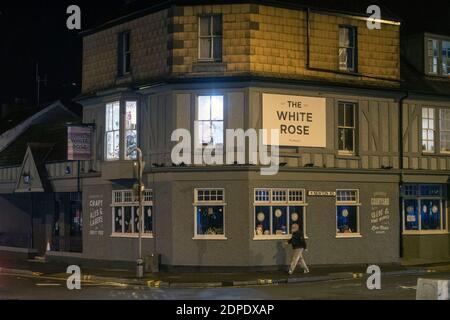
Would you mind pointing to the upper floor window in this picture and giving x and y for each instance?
(115, 118)
(112, 130)
(347, 48)
(210, 38)
(428, 129)
(346, 127)
(438, 57)
(124, 53)
(130, 129)
(444, 126)
(210, 120)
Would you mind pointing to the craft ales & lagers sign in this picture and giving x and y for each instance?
(300, 120)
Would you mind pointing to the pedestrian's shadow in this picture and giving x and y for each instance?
(280, 254)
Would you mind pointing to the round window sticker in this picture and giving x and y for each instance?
(261, 216)
(294, 216)
(434, 209)
(278, 213)
(345, 213)
(424, 209)
(149, 212)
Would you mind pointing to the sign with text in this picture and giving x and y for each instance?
(322, 193)
(95, 206)
(300, 120)
(78, 143)
(380, 214)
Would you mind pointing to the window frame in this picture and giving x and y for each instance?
(440, 57)
(196, 119)
(132, 204)
(355, 203)
(211, 36)
(354, 49)
(212, 203)
(443, 202)
(434, 130)
(123, 54)
(287, 203)
(126, 157)
(119, 130)
(354, 128)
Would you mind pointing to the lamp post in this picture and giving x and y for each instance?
(140, 169)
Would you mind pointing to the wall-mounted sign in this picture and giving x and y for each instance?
(95, 206)
(380, 214)
(322, 193)
(78, 143)
(301, 120)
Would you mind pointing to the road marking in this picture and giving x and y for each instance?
(409, 287)
(48, 284)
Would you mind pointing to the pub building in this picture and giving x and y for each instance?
(364, 171)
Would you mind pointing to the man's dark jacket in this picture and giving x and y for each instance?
(297, 240)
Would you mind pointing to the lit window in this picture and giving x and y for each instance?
(210, 38)
(210, 120)
(347, 212)
(276, 210)
(346, 127)
(428, 129)
(125, 211)
(444, 127)
(347, 48)
(124, 59)
(433, 56)
(130, 129)
(445, 58)
(209, 213)
(112, 133)
(424, 210)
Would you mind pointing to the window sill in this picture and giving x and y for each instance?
(273, 237)
(210, 237)
(132, 235)
(348, 235)
(125, 78)
(209, 66)
(343, 155)
(425, 233)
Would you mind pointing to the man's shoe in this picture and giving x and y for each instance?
(306, 271)
(290, 272)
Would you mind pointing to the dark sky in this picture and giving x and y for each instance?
(35, 31)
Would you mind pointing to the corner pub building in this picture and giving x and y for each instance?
(369, 184)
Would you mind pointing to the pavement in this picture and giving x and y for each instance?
(43, 270)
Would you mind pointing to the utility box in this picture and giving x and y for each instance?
(433, 289)
(152, 263)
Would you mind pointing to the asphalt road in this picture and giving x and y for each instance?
(398, 287)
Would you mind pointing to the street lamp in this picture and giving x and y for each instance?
(140, 170)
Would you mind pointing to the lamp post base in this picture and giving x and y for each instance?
(140, 268)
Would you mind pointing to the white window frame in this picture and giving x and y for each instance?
(436, 57)
(353, 48)
(111, 105)
(127, 157)
(355, 203)
(197, 115)
(355, 119)
(211, 36)
(148, 194)
(270, 203)
(441, 130)
(428, 130)
(212, 203)
(419, 198)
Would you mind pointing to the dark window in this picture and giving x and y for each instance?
(210, 38)
(124, 54)
(346, 127)
(347, 48)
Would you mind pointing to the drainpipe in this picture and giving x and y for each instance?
(400, 165)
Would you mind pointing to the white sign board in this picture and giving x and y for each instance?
(301, 120)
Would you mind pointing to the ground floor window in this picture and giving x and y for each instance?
(347, 213)
(209, 217)
(276, 210)
(424, 208)
(125, 213)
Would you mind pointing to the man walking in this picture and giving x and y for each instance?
(299, 245)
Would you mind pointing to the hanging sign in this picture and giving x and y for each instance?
(78, 143)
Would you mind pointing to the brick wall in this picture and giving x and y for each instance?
(148, 52)
(257, 39)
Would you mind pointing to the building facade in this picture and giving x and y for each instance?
(369, 187)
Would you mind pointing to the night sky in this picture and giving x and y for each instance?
(35, 31)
